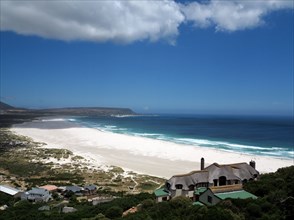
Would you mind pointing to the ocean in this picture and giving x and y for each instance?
(267, 136)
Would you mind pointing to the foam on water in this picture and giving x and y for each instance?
(225, 146)
(123, 116)
(53, 119)
(235, 147)
(112, 126)
(145, 134)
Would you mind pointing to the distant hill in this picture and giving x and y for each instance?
(4, 106)
(99, 111)
(78, 111)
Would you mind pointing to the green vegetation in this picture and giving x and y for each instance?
(25, 210)
(147, 186)
(115, 169)
(7, 199)
(114, 212)
(275, 202)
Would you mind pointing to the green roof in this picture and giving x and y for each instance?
(200, 190)
(242, 194)
(161, 192)
(198, 203)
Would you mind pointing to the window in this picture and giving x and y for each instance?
(222, 180)
(164, 198)
(209, 199)
(215, 182)
(179, 186)
(202, 185)
(191, 187)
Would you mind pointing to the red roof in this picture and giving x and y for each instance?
(49, 187)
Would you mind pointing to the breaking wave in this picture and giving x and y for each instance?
(166, 135)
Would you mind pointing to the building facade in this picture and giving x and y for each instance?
(216, 177)
(36, 195)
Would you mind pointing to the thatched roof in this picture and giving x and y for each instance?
(237, 171)
(189, 179)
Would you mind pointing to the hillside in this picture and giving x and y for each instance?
(4, 106)
(10, 115)
(76, 111)
(94, 111)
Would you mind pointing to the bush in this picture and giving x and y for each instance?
(215, 213)
(180, 202)
(5, 199)
(114, 212)
(254, 210)
(148, 203)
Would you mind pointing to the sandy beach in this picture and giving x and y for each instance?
(139, 154)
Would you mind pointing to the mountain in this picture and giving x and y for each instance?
(98, 111)
(4, 106)
(77, 111)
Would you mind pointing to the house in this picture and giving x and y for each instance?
(240, 194)
(90, 189)
(230, 174)
(162, 195)
(217, 178)
(10, 191)
(50, 188)
(185, 185)
(130, 211)
(101, 199)
(36, 195)
(74, 189)
(205, 196)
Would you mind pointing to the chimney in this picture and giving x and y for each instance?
(252, 163)
(202, 164)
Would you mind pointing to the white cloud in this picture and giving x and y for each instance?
(122, 21)
(232, 15)
(128, 21)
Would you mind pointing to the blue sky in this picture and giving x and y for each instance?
(192, 64)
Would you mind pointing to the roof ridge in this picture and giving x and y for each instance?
(192, 172)
(232, 164)
(234, 191)
(7, 186)
(215, 164)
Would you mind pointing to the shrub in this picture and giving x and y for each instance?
(148, 203)
(180, 202)
(114, 212)
(254, 210)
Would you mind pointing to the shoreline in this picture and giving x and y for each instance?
(139, 154)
